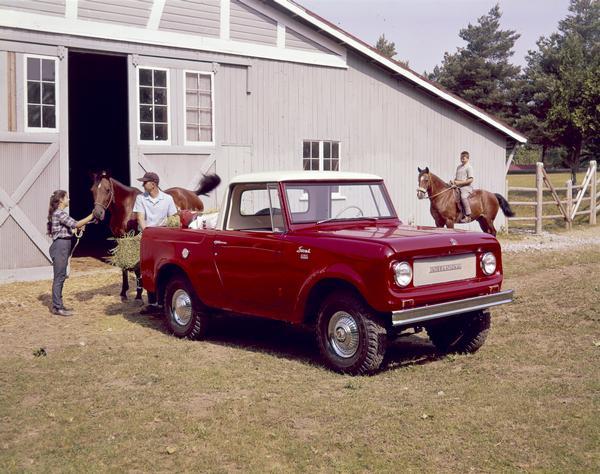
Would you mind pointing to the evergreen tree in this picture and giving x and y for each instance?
(385, 47)
(562, 91)
(481, 72)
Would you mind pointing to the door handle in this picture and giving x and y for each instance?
(220, 242)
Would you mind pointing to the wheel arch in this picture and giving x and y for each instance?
(319, 292)
(165, 273)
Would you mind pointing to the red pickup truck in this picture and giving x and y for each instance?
(326, 249)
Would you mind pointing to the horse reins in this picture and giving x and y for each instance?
(436, 194)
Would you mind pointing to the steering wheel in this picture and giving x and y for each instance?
(350, 207)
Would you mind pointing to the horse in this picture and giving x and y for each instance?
(111, 194)
(445, 203)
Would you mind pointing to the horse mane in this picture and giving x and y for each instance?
(438, 180)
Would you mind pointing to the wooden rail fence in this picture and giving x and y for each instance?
(569, 206)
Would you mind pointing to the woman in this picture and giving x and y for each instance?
(61, 228)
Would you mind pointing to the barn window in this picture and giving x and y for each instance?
(199, 107)
(321, 155)
(41, 93)
(154, 104)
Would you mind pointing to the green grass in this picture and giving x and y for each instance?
(116, 393)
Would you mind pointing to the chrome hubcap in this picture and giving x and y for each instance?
(343, 334)
(181, 307)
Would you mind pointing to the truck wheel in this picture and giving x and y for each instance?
(183, 310)
(463, 334)
(351, 338)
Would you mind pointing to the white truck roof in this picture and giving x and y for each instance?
(279, 176)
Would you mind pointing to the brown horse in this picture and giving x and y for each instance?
(111, 194)
(445, 203)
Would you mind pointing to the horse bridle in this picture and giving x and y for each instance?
(424, 191)
(111, 193)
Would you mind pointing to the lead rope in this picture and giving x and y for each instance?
(78, 234)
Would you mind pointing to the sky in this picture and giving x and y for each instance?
(424, 29)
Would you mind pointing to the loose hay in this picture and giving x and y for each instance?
(126, 254)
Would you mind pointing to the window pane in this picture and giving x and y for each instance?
(33, 69)
(145, 95)
(336, 150)
(191, 99)
(33, 92)
(160, 132)
(205, 118)
(315, 165)
(326, 149)
(160, 96)
(48, 96)
(49, 116)
(145, 77)
(335, 165)
(160, 78)
(327, 165)
(205, 100)
(160, 114)
(315, 149)
(306, 164)
(306, 150)
(204, 82)
(146, 113)
(192, 117)
(48, 70)
(192, 134)
(146, 131)
(34, 116)
(206, 135)
(191, 80)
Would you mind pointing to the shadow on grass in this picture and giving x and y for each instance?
(280, 339)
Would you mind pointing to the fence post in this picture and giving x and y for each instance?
(569, 203)
(593, 191)
(506, 194)
(539, 184)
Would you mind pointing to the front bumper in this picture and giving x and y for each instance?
(407, 317)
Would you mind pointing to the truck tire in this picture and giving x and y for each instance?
(351, 337)
(462, 334)
(184, 315)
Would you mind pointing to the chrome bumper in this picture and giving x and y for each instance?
(436, 311)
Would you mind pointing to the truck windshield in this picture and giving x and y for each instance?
(321, 202)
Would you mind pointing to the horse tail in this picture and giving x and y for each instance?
(207, 184)
(508, 212)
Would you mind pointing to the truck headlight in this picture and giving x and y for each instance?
(402, 273)
(488, 263)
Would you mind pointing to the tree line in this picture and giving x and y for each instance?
(554, 100)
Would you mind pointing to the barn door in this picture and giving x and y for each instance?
(30, 158)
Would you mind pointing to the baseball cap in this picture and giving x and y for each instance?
(149, 176)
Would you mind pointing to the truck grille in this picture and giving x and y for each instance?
(428, 271)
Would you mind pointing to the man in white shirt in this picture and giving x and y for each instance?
(152, 208)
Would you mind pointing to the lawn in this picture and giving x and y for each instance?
(114, 392)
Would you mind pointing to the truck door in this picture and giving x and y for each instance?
(248, 254)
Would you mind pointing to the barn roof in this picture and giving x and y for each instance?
(363, 48)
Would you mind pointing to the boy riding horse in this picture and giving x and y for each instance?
(463, 181)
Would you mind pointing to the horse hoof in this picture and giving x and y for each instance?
(123, 297)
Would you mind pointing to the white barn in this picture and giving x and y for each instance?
(184, 87)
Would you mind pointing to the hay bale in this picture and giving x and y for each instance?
(173, 221)
(126, 254)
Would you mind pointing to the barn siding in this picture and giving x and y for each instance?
(295, 40)
(126, 12)
(45, 7)
(247, 24)
(200, 17)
